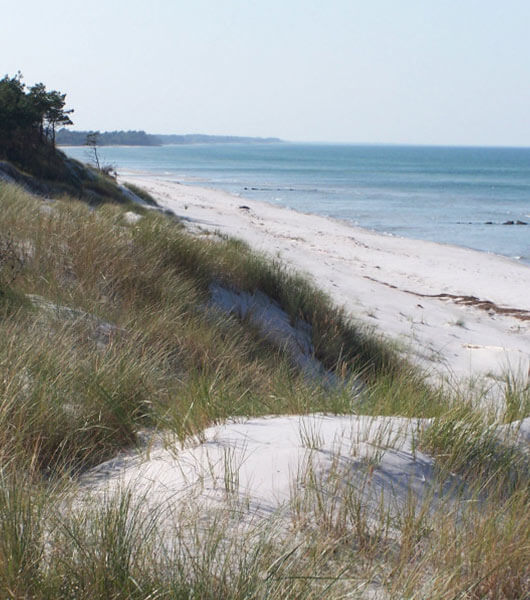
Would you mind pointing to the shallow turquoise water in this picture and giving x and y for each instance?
(435, 193)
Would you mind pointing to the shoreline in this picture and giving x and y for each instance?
(190, 182)
(459, 313)
(389, 192)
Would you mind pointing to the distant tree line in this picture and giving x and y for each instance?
(107, 138)
(29, 119)
(141, 138)
(200, 138)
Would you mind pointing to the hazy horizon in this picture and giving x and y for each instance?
(318, 142)
(407, 73)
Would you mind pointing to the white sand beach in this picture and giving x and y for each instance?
(266, 463)
(277, 470)
(460, 313)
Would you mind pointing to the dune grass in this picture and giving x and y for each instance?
(107, 330)
(141, 193)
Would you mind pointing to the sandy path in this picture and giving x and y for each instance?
(459, 312)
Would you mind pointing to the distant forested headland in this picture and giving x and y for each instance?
(65, 137)
(30, 121)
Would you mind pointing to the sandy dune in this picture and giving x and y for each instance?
(271, 467)
(459, 312)
(279, 470)
(271, 464)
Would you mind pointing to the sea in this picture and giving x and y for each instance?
(455, 195)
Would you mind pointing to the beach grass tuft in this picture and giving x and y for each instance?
(108, 331)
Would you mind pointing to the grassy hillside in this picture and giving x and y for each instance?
(107, 331)
(52, 174)
(29, 120)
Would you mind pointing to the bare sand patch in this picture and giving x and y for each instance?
(458, 312)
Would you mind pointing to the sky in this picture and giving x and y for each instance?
(447, 72)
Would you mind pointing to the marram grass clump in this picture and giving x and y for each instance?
(107, 331)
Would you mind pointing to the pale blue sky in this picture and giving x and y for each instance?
(380, 71)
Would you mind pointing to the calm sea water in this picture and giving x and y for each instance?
(434, 193)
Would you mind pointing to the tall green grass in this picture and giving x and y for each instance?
(106, 331)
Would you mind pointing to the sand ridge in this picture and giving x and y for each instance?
(459, 312)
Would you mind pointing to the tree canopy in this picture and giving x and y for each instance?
(29, 118)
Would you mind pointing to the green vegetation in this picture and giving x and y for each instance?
(107, 138)
(141, 138)
(28, 121)
(107, 331)
(148, 281)
(141, 193)
(29, 118)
